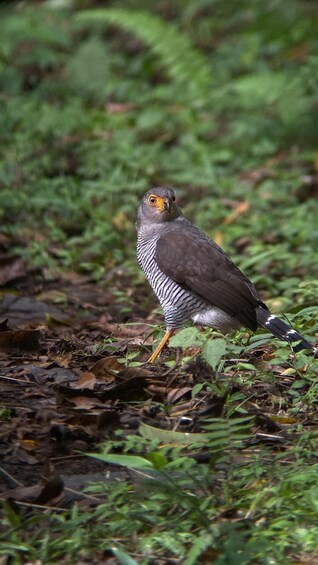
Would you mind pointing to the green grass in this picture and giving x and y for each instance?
(219, 100)
(248, 505)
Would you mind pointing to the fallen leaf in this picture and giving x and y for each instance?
(84, 402)
(11, 268)
(64, 359)
(23, 494)
(25, 457)
(43, 492)
(86, 380)
(182, 409)
(23, 309)
(106, 367)
(175, 394)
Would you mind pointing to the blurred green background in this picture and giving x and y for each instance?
(102, 100)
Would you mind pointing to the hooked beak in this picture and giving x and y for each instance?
(167, 205)
(164, 205)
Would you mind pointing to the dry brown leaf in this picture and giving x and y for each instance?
(64, 359)
(175, 394)
(85, 402)
(45, 491)
(11, 268)
(128, 373)
(157, 389)
(182, 409)
(109, 369)
(106, 367)
(123, 330)
(284, 420)
(51, 492)
(86, 380)
(25, 457)
(23, 494)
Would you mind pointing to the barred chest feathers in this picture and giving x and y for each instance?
(179, 305)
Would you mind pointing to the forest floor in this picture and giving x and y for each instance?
(67, 385)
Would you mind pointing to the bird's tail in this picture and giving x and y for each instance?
(281, 330)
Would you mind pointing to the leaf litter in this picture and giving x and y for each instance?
(66, 385)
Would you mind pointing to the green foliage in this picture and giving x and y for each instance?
(73, 161)
(186, 509)
(92, 80)
(186, 337)
(213, 351)
(185, 65)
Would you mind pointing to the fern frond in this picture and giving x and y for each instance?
(225, 434)
(184, 64)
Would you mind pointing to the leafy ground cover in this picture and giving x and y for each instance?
(210, 456)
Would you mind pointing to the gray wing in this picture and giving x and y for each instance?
(202, 267)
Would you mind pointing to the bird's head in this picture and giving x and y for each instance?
(158, 205)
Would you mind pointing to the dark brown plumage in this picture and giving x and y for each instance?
(194, 279)
(200, 266)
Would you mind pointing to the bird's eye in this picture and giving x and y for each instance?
(152, 200)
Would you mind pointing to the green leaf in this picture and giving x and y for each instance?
(247, 366)
(187, 337)
(196, 389)
(167, 436)
(213, 351)
(130, 461)
(158, 460)
(123, 557)
(199, 545)
(12, 517)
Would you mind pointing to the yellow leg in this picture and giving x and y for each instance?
(161, 345)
